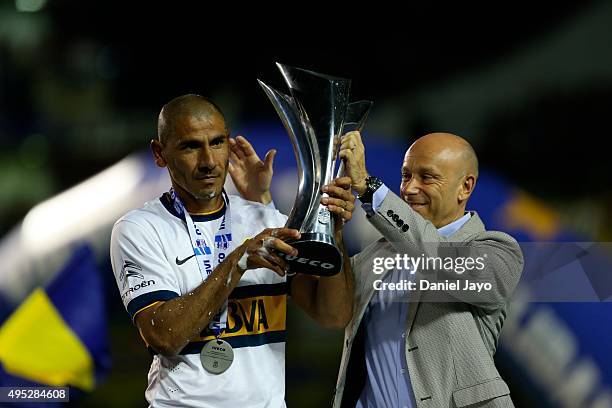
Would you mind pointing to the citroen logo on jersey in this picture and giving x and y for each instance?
(130, 274)
(182, 261)
(130, 270)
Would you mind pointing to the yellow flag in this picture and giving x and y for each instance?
(37, 344)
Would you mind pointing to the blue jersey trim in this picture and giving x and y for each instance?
(237, 342)
(271, 289)
(147, 299)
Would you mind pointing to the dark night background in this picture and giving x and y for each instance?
(530, 87)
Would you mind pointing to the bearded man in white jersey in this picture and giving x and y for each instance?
(198, 272)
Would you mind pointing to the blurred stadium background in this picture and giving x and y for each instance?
(81, 84)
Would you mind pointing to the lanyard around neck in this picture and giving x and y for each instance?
(206, 256)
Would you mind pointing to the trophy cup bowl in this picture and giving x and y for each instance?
(314, 115)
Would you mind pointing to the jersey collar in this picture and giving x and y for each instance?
(167, 203)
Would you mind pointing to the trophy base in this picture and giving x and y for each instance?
(317, 255)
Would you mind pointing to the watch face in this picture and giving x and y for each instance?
(373, 183)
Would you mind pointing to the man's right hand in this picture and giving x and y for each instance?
(261, 250)
(251, 176)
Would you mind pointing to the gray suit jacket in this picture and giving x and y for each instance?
(450, 345)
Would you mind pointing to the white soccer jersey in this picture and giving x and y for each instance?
(153, 260)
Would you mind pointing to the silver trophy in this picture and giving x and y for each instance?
(315, 114)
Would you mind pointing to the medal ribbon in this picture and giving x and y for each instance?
(208, 258)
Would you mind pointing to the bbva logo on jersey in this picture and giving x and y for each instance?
(252, 316)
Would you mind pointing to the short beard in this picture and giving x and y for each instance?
(207, 196)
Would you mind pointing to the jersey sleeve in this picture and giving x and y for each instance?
(277, 219)
(142, 272)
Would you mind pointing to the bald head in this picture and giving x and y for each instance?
(439, 173)
(454, 151)
(190, 105)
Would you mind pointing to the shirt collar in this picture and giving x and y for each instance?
(450, 229)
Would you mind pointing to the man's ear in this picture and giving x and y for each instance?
(467, 187)
(157, 149)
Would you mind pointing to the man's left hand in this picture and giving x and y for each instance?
(340, 201)
(252, 176)
(352, 152)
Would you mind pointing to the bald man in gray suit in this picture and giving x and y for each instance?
(408, 349)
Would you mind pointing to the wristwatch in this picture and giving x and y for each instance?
(372, 184)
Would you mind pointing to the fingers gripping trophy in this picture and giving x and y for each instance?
(315, 113)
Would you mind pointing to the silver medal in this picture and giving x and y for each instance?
(216, 356)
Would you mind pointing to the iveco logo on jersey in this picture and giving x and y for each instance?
(141, 285)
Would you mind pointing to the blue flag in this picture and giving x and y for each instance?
(58, 335)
